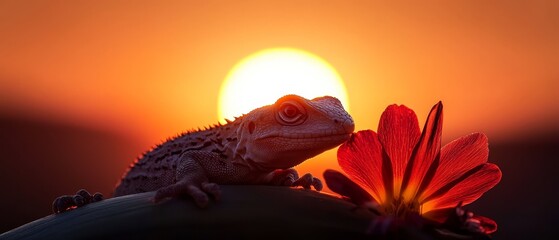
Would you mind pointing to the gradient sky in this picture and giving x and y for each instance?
(151, 69)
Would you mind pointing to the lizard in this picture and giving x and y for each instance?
(260, 147)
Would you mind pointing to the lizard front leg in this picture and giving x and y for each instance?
(191, 179)
(290, 177)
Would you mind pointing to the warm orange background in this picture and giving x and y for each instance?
(147, 70)
(155, 68)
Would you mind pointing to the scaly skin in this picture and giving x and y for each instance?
(260, 147)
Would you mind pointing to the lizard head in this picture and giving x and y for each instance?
(291, 130)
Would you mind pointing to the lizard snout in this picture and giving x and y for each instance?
(347, 124)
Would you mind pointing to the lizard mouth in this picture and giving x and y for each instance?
(307, 136)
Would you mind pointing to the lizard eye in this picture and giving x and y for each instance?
(291, 113)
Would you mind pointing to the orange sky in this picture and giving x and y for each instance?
(152, 69)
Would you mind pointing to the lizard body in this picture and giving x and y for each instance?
(260, 147)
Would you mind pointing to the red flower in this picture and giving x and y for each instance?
(402, 170)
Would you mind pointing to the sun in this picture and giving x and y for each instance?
(263, 77)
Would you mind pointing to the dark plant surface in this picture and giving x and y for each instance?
(245, 212)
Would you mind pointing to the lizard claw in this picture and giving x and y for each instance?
(307, 180)
(198, 193)
(68, 202)
(63, 203)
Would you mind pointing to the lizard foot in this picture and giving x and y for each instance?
(69, 202)
(199, 193)
(290, 177)
(307, 180)
(283, 177)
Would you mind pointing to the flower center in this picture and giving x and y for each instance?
(401, 207)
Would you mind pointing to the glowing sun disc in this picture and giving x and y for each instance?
(263, 77)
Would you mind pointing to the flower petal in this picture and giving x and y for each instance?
(424, 159)
(457, 157)
(398, 132)
(487, 225)
(477, 182)
(361, 158)
(459, 219)
(342, 185)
